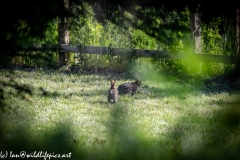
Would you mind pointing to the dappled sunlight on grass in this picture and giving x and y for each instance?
(169, 117)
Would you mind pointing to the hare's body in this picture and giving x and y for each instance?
(113, 93)
(131, 87)
(112, 96)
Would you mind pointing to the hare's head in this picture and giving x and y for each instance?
(138, 82)
(138, 79)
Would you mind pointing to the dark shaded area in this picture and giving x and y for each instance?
(35, 59)
(2, 104)
(208, 10)
(46, 93)
(24, 20)
(57, 142)
(229, 82)
(223, 141)
(20, 88)
(35, 14)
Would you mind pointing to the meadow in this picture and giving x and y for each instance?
(170, 117)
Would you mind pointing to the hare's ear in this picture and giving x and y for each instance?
(111, 81)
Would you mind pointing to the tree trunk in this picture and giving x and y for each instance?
(192, 27)
(63, 34)
(237, 30)
(237, 66)
(195, 26)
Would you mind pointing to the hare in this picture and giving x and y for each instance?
(112, 93)
(130, 87)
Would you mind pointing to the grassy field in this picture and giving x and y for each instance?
(170, 117)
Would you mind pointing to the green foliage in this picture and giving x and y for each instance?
(50, 35)
(230, 44)
(214, 43)
(212, 40)
(130, 31)
(126, 31)
(30, 59)
(88, 31)
(144, 41)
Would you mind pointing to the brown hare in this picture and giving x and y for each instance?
(112, 93)
(130, 87)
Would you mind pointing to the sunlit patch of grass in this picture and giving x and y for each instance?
(168, 117)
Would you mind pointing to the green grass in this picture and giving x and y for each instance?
(169, 117)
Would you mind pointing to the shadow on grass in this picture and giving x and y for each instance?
(2, 103)
(179, 92)
(209, 137)
(46, 93)
(224, 139)
(183, 84)
(222, 83)
(58, 142)
(19, 88)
